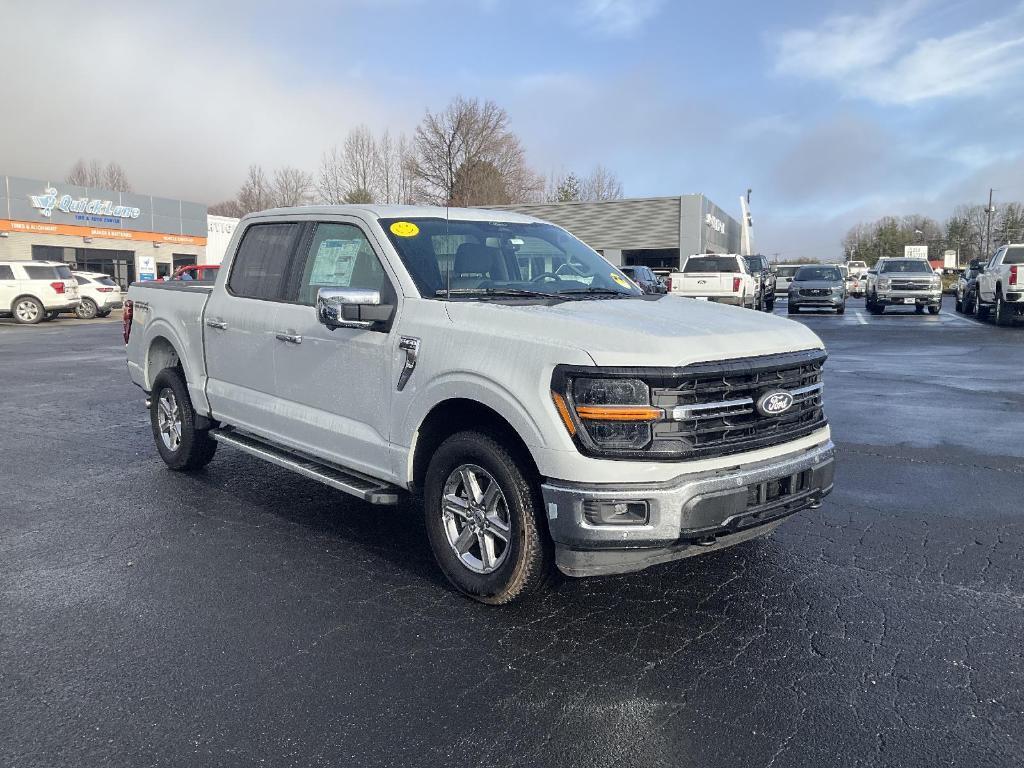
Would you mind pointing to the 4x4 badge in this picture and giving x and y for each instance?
(774, 402)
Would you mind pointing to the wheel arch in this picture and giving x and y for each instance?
(457, 414)
(21, 296)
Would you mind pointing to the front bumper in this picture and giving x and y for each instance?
(899, 298)
(736, 301)
(831, 301)
(690, 515)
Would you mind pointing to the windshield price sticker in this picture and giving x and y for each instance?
(404, 229)
(620, 279)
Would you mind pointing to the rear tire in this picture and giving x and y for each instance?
(841, 310)
(933, 310)
(182, 446)
(477, 496)
(28, 310)
(1002, 314)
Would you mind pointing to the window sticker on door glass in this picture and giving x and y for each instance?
(405, 229)
(335, 260)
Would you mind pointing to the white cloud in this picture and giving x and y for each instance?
(616, 18)
(884, 57)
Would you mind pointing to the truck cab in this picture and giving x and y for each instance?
(544, 411)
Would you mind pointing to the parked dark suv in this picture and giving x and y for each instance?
(762, 271)
(645, 278)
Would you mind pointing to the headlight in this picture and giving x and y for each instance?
(615, 414)
(936, 282)
(838, 289)
(884, 284)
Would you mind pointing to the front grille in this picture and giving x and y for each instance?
(815, 292)
(911, 285)
(713, 405)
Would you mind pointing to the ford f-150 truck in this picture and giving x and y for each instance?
(1000, 286)
(544, 410)
(896, 282)
(719, 277)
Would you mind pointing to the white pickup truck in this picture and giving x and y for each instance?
(544, 410)
(720, 277)
(1000, 286)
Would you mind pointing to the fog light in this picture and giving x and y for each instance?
(616, 512)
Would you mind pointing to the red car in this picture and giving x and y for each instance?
(201, 273)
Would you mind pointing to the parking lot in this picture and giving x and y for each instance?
(247, 615)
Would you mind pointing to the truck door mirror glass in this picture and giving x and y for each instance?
(351, 308)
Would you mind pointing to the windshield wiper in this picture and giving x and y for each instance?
(590, 289)
(520, 292)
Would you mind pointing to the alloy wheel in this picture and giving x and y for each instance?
(476, 518)
(168, 419)
(27, 311)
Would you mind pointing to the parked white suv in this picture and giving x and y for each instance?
(546, 411)
(99, 293)
(31, 291)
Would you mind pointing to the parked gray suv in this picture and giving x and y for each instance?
(818, 287)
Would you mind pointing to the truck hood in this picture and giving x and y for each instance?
(667, 331)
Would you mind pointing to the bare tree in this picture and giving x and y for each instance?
(332, 183)
(387, 164)
(406, 179)
(601, 184)
(469, 135)
(291, 186)
(361, 163)
(115, 178)
(89, 174)
(255, 193)
(230, 208)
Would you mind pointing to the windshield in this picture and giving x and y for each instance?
(711, 264)
(915, 266)
(481, 258)
(786, 271)
(818, 273)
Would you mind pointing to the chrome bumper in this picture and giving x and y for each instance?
(688, 516)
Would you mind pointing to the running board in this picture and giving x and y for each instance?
(362, 487)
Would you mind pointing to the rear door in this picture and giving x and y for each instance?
(239, 322)
(335, 386)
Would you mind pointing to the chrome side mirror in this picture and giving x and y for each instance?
(351, 308)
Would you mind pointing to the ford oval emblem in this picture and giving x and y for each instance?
(774, 403)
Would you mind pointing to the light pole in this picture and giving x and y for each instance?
(988, 223)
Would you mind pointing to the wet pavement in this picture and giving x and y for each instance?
(245, 615)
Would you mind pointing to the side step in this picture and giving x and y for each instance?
(362, 487)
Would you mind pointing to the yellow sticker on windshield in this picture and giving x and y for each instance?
(620, 280)
(404, 229)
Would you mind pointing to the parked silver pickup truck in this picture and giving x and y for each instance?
(545, 410)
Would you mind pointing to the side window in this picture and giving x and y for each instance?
(6, 273)
(340, 256)
(82, 280)
(260, 268)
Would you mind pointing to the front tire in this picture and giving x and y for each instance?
(86, 310)
(933, 310)
(483, 520)
(182, 446)
(841, 309)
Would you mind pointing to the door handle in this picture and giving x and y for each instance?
(289, 336)
(219, 324)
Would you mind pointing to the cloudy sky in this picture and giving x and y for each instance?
(831, 111)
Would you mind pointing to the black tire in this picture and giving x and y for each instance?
(792, 310)
(770, 306)
(103, 313)
(919, 309)
(981, 310)
(527, 560)
(51, 315)
(841, 310)
(27, 310)
(1001, 313)
(968, 303)
(86, 309)
(958, 305)
(194, 447)
(933, 310)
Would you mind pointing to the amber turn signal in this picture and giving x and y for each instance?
(617, 413)
(563, 411)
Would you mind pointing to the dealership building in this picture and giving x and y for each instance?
(127, 235)
(649, 231)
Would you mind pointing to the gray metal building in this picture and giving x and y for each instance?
(126, 235)
(653, 231)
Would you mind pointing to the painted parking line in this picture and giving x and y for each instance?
(960, 319)
(860, 318)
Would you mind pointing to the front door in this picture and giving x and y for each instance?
(238, 329)
(334, 387)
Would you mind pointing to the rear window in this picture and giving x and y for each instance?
(105, 281)
(260, 268)
(6, 273)
(913, 266)
(711, 264)
(1014, 255)
(47, 273)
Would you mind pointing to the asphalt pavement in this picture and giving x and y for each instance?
(244, 615)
